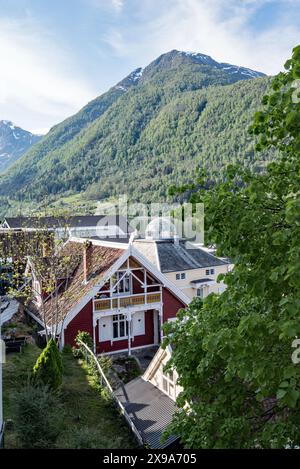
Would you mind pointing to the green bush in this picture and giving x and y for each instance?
(84, 337)
(92, 438)
(48, 368)
(38, 416)
(80, 351)
(56, 354)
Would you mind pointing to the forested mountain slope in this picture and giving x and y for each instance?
(150, 131)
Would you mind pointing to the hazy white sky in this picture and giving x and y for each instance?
(58, 55)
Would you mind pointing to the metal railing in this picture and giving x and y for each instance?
(101, 304)
(104, 381)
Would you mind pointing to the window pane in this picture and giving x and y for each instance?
(115, 330)
(165, 384)
(126, 284)
(122, 329)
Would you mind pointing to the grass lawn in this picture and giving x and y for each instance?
(91, 420)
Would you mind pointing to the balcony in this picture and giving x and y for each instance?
(147, 300)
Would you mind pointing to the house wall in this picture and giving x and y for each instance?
(196, 274)
(82, 322)
(170, 305)
(155, 373)
(137, 341)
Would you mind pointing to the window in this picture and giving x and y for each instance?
(168, 384)
(180, 276)
(200, 292)
(124, 285)
(207, 272)
(120, 326)
(212, 271)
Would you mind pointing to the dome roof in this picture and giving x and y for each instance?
(160, 228)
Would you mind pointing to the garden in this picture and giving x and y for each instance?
(55, 400)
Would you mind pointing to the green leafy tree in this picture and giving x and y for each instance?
(48, 368)
(233, 352)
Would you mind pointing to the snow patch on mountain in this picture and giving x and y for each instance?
(14, 141)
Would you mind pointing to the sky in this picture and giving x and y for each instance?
(55, 56)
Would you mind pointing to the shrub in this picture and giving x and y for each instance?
(105, 363)
(79, 351)
(84, 337)
(92, 438)
(56, 354)
(48, 368)
(38, 416)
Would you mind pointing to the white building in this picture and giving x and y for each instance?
(193, 269)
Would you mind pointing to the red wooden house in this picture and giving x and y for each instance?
(114, 293)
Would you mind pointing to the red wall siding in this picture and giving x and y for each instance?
(138, 341)
(170, 305)
(82, 322)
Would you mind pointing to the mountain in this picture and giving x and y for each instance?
(14, 142)
(151, 130)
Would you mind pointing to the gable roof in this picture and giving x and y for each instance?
(102, 258)
(172, 257)
(106, 259)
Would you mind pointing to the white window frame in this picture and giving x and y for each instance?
(170, 382)
(120, 283)
(200, 289)
(180, 276)
(118, 319)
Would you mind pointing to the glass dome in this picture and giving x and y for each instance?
(160, 228)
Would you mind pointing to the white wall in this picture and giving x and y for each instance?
(195, 274)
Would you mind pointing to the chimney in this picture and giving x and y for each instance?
(87, 258)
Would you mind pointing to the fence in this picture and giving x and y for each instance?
(104, 382)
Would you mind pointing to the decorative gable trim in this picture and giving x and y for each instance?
(129, 252)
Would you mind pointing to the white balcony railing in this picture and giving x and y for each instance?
(110, 303)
